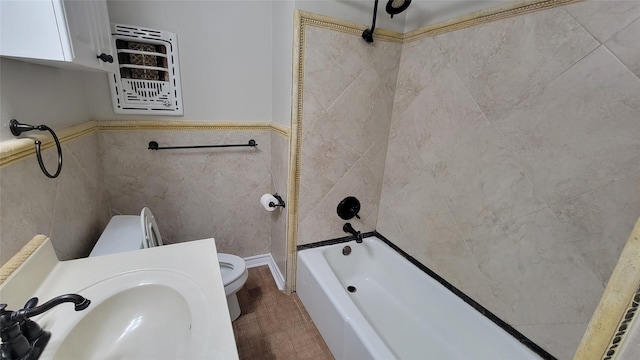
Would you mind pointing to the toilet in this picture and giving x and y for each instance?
(134, 232)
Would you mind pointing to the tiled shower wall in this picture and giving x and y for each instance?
(513, 165)
(70, 209)
(348, 97)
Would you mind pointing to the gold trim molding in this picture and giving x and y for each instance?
(16, 260)
(485, 16)
(17, 149)
(304, 18)
(616, 309)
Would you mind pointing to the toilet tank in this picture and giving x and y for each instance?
(123, 233)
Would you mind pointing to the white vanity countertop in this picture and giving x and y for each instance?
(195, 262)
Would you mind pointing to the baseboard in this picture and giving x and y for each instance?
(267, 259)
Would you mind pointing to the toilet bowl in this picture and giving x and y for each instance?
(134, 232)
(234, 275)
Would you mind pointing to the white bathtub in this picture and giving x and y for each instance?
(397, 310)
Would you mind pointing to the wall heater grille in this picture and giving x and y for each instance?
(148, 79)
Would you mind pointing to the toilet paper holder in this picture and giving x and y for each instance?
(280, 201)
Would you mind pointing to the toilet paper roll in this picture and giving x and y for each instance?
(266, 199)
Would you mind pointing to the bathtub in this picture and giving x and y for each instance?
(392, 309)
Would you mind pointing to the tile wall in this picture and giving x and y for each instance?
(196, 193)
(347, 102)
(280, 179)
(513, 163)
(70, 209)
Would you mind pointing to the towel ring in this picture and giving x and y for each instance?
(17, 129)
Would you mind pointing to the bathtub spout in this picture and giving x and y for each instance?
(349, 229)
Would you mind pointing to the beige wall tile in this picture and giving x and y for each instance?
(247, 231)
(70, 209)
(27, 200)
(504, 62)
(600, 222)
(536, 271)
(332, 61)
(604, 18)
(324, 161)
(348, 98)
(467, 195)
(280, 176)
(81, 211)
(323, 221)
(196, 193)
(581, 131)
(625, 46)
(561, 340)
(416, 219)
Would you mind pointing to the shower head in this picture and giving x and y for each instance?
(397, 6)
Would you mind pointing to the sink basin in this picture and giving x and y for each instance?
(115, 329)
(166, 302)
(148, 314)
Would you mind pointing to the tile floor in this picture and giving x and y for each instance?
(274, 325)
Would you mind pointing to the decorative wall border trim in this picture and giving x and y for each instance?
(620, 337)
(19, 258)
(295, 145)
(17, 149)
(617, 308)
(345, 26)
(484, 16)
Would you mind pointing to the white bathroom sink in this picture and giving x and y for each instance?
(160, 303)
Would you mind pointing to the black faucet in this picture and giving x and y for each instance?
(349, 229)
(24, 339)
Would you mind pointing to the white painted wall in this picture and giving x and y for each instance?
(225, 57)
(282, 61)
(37, 94)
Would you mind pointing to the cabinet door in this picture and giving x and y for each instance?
(89, 32)
(29, 29)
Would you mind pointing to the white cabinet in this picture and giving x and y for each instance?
(57, 32)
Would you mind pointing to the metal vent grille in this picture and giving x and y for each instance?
(148, 77)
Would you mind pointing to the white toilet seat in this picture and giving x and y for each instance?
(150, 228)
(234, 272)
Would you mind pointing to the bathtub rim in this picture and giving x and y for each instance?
(467, 299)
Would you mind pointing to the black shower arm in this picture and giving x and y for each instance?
(367, 35)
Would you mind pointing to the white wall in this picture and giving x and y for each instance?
(37, 94)
(225, 57)
(282, 41)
